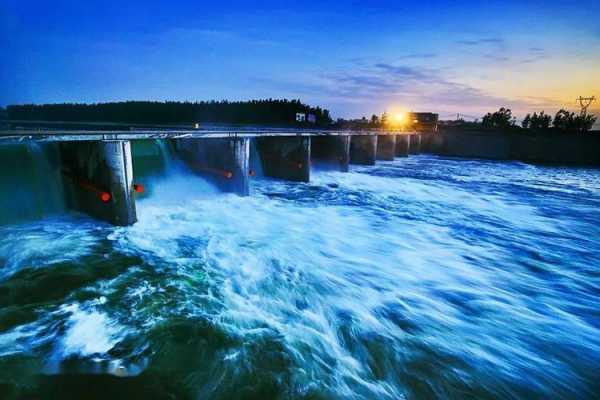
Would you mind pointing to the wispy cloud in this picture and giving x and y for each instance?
(417, 55)
(482, 41)
(497, 57)
(403, 71)
(535, 54)
(380, 84)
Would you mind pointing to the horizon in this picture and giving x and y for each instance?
(194, 208)
(354, 60)
(392, 113)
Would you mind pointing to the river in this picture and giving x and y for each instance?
(422, 278)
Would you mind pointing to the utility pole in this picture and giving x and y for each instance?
(585, 102)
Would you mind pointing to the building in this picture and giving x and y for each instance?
(300, 117)
(424, 121)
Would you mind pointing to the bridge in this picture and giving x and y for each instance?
(97, 164)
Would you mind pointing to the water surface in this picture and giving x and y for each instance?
(424, 278)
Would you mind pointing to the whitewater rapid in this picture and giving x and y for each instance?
(422, 277)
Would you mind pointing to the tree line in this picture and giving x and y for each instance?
(267, 111)
(563, 121)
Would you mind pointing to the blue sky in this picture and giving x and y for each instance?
(351, 57)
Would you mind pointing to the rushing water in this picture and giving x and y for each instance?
(419, 278)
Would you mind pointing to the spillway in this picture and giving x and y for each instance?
(423, 277)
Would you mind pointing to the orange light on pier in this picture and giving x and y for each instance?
(84, 184)
(215, 171)
(105, 197)
(138, 188)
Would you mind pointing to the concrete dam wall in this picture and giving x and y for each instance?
(551, 147)
(103, 177)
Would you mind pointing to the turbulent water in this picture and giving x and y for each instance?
(419, 278)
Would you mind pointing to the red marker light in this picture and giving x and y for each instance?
(228, 175)
(251, 172)
(299, 165)
(105, 197)
(138, 188)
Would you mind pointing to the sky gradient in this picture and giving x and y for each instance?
(351, 57)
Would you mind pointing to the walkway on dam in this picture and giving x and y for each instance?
(68, 135)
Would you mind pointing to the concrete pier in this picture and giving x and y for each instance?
(402, 145)
(415, 144)
(386, 147)
(285, 157)
(95, 166)
(363, 149)
(222, 161)
(98, 179)
(330, 152)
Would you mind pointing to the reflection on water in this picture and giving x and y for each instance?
(419, 278)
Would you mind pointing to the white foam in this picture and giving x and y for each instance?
(42, 243)
(88, 332)
(307, 270)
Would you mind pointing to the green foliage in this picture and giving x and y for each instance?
(268, 111)
(500, 119)
(564, 121)
(3, 114)
(570, 122)
(537, 121)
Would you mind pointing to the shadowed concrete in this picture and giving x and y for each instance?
(386, 147)
(402, 145)
(414, 144)
(330, 152)
(538, 147)
(98, 179)
(225, 162)
(285, 157)
(363, 149)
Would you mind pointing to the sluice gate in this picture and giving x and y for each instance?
(96, 168)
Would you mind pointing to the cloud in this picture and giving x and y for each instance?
(497, 57)
(417, 55)
(386, 83)
(402, 71)
(535, 54)
(375, 86)
(482, 41)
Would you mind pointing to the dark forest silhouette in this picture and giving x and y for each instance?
(268, 111)
(503, 119)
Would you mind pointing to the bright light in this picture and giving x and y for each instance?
(399, 117)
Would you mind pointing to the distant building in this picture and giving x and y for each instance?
(300, 117)
(424, 121)
(312, 118)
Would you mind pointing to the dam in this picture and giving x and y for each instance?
(376, 281)
(96, 168)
